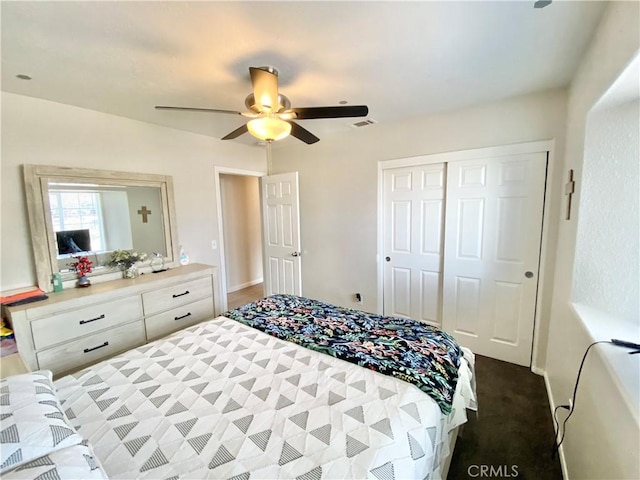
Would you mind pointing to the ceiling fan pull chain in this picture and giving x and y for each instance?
(269, 171)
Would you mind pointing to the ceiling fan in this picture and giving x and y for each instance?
(272, 117)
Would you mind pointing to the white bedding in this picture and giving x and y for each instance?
(222, 400)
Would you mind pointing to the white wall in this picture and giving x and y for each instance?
(147, 237)
(603, 437)
(338, 186)
(42, 132)
(242, 230)
(607, 260)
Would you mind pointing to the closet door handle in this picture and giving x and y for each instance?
(87, 350)
(82, 322)
(528, 274)
(183, 316)
(176, 295)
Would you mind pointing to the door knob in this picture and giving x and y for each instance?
(528, 274)
(388, 259)
(295, 254)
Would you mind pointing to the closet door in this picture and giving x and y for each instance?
(413, 206)
(493, 226)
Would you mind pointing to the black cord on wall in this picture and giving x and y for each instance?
(572, 407)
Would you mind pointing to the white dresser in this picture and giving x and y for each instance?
(80, 326)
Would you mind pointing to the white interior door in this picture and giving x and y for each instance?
(493, 226)
(281, 234)
(413, 217)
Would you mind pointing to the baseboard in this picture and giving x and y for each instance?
(552, 406)
(537, 371)
(235, 288)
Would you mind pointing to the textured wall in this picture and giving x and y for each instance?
(603, 436)
(606, 263)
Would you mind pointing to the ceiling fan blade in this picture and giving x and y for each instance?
(303, 134)
(307, 113)
(194, 109)
(236, 133)
(265, 88)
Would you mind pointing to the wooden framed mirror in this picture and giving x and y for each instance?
(74, 211)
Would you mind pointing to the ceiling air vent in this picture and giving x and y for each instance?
(364, 123)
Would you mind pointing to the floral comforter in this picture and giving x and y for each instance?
(406, 349)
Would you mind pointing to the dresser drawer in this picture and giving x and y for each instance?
(72, 324)
(178, 318)
(176, 295)
(73, 355)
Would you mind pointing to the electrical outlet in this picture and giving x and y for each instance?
(358, 297)
(214, 245)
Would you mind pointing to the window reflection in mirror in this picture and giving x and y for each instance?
(98, 219)
(98, 211)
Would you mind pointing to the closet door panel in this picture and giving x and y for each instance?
(493, 225)
(413, 216)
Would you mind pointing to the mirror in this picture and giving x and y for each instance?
(98, 219)
(94, 212)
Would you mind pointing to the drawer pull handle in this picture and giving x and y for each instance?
(180, 294)
(87, 350)
(183, 316)
(82, 322)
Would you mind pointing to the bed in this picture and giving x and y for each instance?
(285, 387)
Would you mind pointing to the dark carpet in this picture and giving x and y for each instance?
(512, 435)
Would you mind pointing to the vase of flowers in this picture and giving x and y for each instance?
(127, 262)
(82, 266)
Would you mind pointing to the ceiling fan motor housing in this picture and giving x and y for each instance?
(283, 103)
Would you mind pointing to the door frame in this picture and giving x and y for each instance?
(217, 171)
(471, 154)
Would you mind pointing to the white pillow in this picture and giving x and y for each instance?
(75, 462)
(32, 423)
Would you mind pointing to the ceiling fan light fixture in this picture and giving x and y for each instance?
(269, 128)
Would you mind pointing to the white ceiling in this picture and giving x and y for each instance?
(402, 59)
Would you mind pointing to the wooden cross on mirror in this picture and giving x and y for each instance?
(145, 214)
(569, 190)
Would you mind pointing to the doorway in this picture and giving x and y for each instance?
(239, 220)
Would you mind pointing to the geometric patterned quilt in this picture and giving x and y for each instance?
(400, 347)
(222, 400)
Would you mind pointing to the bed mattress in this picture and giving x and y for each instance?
(223, 400)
